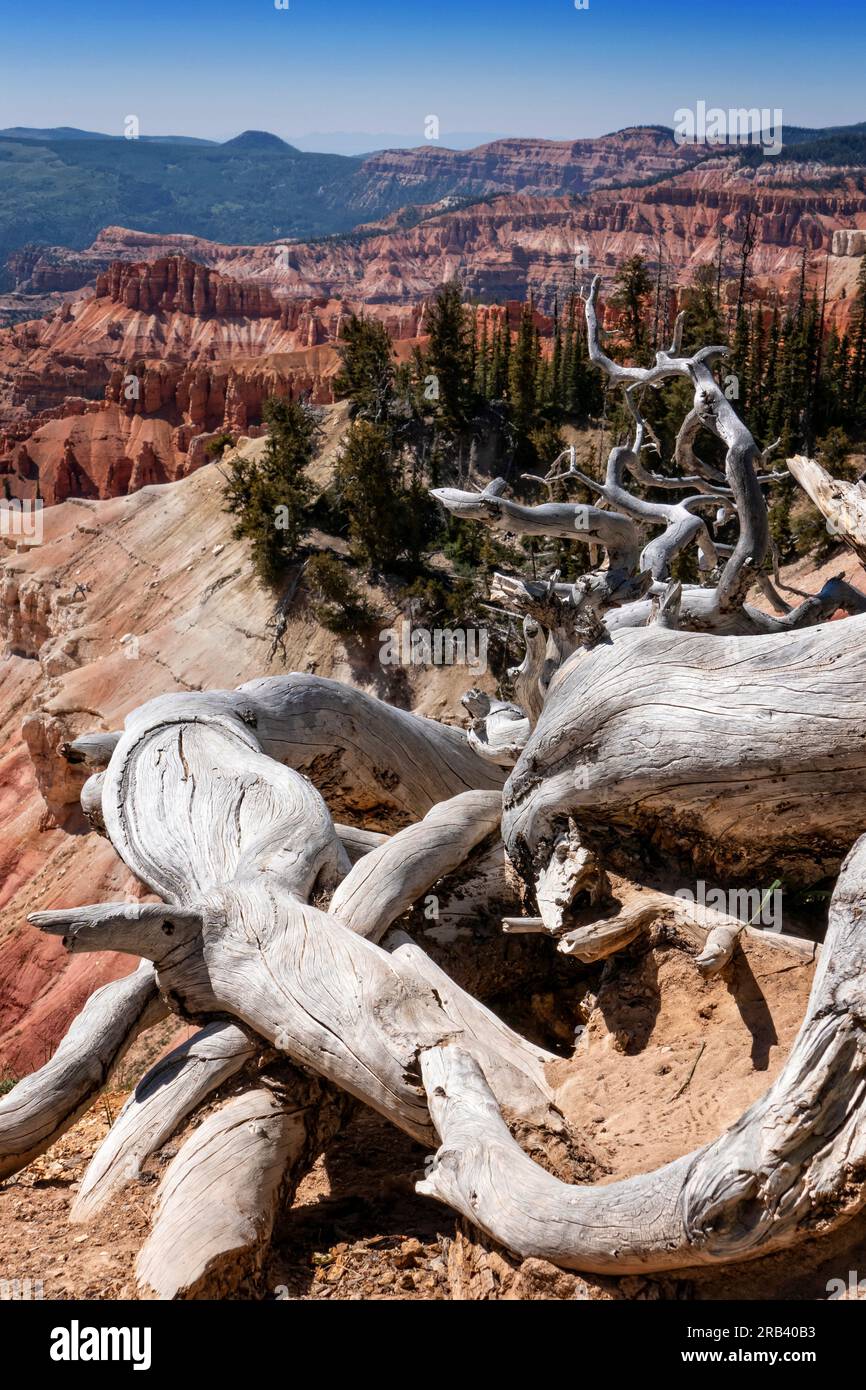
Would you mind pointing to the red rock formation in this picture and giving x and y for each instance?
(166, 352)
(175, 284)
(512, 166)
(510, 246)
(115, 446)
(529, 239)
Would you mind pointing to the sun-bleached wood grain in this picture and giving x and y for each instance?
(216, 1206)
(745, 756)
(391, 877)
(236, 843)
(174, 1086)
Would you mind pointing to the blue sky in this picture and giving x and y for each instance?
(538, 67)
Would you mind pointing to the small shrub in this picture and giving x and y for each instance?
(434, 599)
(338, 602)
(216, 447)
(832, 451)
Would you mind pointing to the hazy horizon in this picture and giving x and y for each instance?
(346, 143)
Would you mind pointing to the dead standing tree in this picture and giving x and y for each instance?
(714, 734)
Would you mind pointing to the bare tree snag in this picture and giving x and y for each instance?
(566, 520)
(357, 842)
(843, 505)
(91, 801)
(634, 560)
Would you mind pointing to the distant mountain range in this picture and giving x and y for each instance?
(369, 142)
(62, 186)
(362, 143)
(347, 142)
(69, 132)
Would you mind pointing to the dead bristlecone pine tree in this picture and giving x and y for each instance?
(649, 723)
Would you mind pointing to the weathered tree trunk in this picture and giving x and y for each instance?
(737, 758)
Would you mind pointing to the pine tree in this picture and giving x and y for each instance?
(811, 338)
(858, 346)
(366, 374)
(780, 522)
(338, 603)
(270, 498)
(505, 354)
(756, 417)
(482, 364)
(565, 370)
(523, 384)
(703, 309)
(631, 286)
(473, 350)
(585, 388)
(369, 481)
(772, 377)
(449, 357)
(495, 383)
(556, 393)
(739, 358)
(543, 378)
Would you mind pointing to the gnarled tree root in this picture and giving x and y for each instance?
(237, 844)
